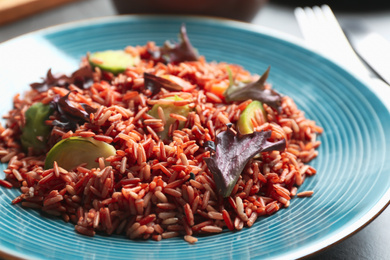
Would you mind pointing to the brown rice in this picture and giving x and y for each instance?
(154, 189)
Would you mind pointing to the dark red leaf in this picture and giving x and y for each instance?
(179, 52)
(173, 52)
(232, 153)
(81, 78)
(256, 91)
(70, 115)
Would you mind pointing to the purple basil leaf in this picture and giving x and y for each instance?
(179, 52)
(70, 115)
(155, 83)
(81, 78)
(47, 82)
(88, 109)
(256, 91)
(66, 107)
(232, 153)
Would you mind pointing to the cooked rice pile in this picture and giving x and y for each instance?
(154, 189)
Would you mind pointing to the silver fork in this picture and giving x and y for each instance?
(322, 32)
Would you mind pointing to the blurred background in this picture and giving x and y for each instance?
(21, 16)
(13, 10)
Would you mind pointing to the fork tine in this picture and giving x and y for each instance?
(322, 31)
(334, 28)
(329, 36)
(304, 23)
(310, 26)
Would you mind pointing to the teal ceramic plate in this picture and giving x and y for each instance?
(352, 184)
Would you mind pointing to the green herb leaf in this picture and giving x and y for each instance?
(35, 132)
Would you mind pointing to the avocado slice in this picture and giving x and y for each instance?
(244, 123)
(115, 61)
(170, 109)
(73, 151)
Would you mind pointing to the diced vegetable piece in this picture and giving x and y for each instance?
(170, 109)
(219, 89)
(245, 124)
(115, 61)
(73, 151)
(35, 132)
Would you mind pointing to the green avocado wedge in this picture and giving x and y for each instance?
(115, 61)
(244, 124)
(73, 151)
(170, 109)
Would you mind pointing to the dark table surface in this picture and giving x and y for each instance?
(373, 241)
